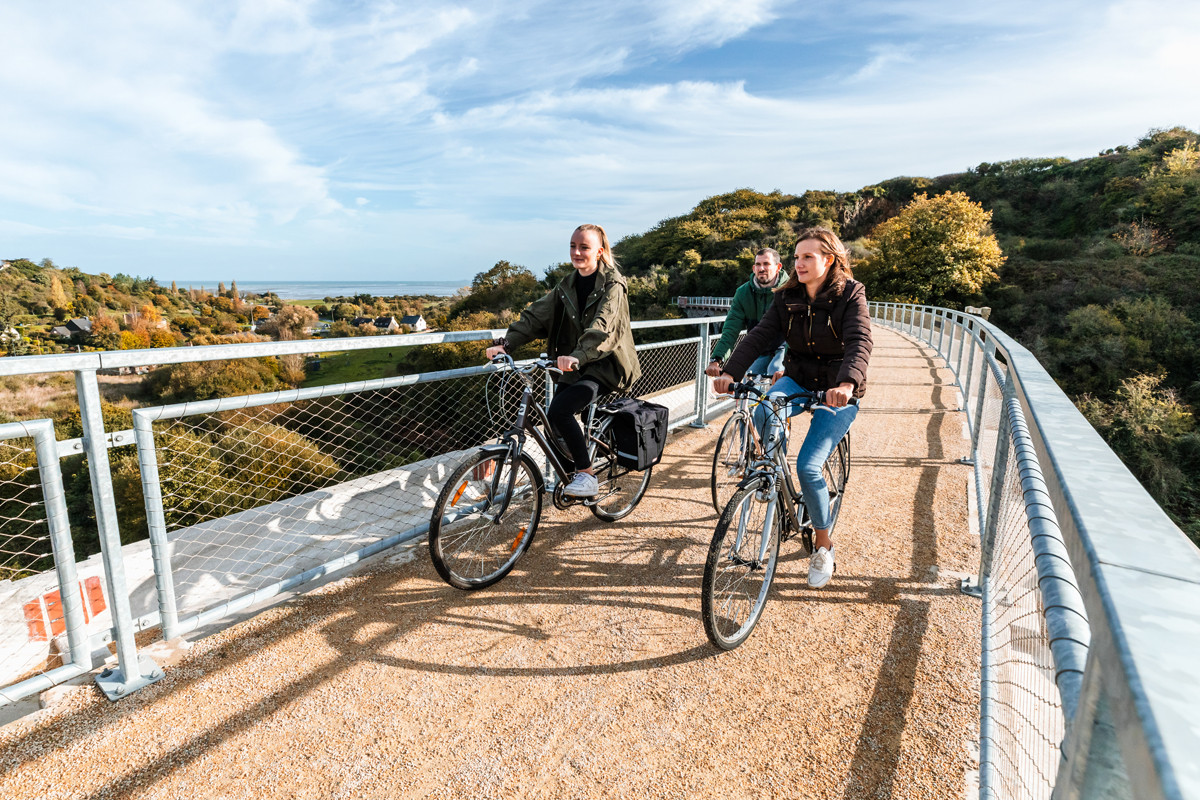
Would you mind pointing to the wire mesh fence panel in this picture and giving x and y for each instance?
(1027, 716)
(34, 614)
(25, 548)
(988, 425)
(669, 376)
(255, 495)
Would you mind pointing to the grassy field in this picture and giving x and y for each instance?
(357, 365)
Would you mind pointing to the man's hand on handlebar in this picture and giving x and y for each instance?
(494, 351)
(568, 363)
(723, 383)
(839, 395)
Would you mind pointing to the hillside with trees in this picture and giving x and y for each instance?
(1097, 271)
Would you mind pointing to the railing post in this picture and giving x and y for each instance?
(702, 351)
(964, 381)
(132, 672)
(962, 343)
(987, 533)
(50, 474)
(986, 350)
(156, 522)
(950, 337)
(941, 333)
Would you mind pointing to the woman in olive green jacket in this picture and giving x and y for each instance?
(585, 320)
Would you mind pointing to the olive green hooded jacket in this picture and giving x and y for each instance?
(750, 302)
(598, 334)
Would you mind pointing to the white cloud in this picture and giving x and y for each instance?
(711, 22)
(269, 125)
(882, 59)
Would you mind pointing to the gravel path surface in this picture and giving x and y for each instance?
(586, 673)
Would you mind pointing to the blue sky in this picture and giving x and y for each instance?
(293, 140)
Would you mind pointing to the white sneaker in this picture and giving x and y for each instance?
(820, 568)
(583, 485)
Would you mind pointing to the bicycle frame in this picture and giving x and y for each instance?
(772, 472)
(513, 442)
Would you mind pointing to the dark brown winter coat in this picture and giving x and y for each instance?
(829, 338)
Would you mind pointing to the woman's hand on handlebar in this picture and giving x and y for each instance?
(839, 395)
(568, 363)
(494, 351)
(713, 369)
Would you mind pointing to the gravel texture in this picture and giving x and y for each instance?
(586, 673)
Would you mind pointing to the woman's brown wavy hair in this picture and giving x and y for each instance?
(831, 245)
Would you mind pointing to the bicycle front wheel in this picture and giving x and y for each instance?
(735, 451)
(740, 566)
(621, 488)
(469, 547)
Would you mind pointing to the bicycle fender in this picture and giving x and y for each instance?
(493, 449)
(755, 477)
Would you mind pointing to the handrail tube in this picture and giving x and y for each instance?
(1142, 597)
(111, 359)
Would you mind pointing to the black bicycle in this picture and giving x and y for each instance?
(486, 514)
(767, 509)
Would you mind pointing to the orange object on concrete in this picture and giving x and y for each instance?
(44, 617)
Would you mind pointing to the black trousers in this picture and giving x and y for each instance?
(569, 400)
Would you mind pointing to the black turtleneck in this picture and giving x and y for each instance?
(583, 287)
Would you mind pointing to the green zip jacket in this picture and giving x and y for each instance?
(749, 303)
(598, 335)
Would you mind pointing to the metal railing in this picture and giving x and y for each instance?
(1091, 595)
(246, 497)
(1091, 625)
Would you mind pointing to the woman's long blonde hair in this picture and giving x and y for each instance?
(607, 259)
(831, 245)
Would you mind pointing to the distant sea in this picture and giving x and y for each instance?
(317, 290)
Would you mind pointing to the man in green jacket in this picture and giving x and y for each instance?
(750, 302)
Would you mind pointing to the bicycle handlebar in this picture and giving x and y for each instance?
(812, 398)
(542, 362)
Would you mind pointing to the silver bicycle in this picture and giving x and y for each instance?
(766, 509)
(738, 445)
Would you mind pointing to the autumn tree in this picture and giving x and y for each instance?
(106, 333)
(345, 311)
(57, 298)
(503, 286)
(291, 322)
(937, 250)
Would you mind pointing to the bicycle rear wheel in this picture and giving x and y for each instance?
(621, 488)
(740, 567)
(736, 450)
(469, 549)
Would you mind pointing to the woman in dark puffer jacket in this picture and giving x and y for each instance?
(822, 312)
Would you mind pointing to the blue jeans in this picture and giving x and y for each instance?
(828, 427)
(769, 364)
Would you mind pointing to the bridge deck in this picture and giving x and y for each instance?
(586, 673)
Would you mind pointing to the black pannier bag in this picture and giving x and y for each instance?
(640, 431)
